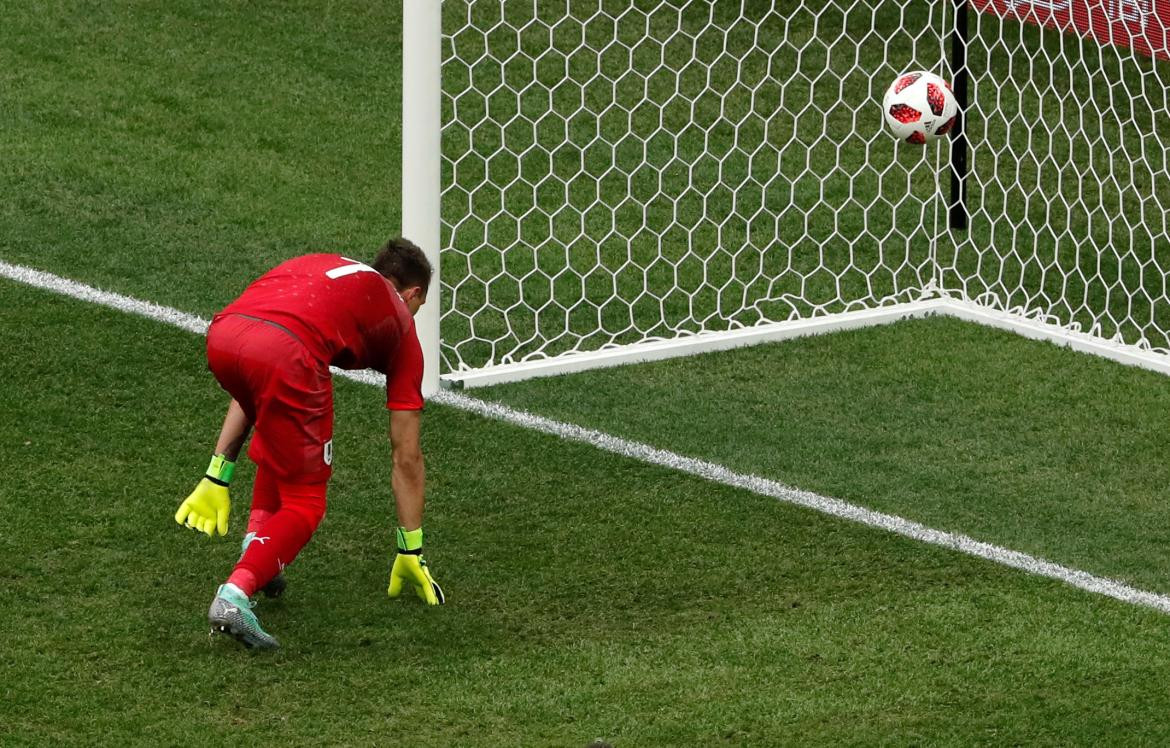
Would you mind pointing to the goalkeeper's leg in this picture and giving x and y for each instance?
(279, 541)
(265, 503)
(281, 537)
(275, 586)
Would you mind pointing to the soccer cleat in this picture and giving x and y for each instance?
(231, 614)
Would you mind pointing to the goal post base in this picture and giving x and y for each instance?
(690, 345)
(1123, 353)
(968, 311)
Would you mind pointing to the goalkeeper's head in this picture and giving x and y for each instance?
(407, 267)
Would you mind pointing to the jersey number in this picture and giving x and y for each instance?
(344, 270)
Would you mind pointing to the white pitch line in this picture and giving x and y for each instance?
(57, 284)
(651, 455)
(824, 504)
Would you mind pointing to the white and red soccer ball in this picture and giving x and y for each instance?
(919, 107)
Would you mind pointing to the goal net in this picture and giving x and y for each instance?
(1069, 182)
(621, 172)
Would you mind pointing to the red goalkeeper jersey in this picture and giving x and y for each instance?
(347, 314)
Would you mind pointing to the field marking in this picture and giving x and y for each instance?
(64, 286)
(645, 453)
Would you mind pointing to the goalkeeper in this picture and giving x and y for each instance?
(271, 350)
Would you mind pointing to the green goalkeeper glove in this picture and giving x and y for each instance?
(410, 568)
(207, 508)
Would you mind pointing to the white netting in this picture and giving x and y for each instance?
(615, 172)
(1069, 179)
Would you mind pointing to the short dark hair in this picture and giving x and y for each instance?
(405, 265)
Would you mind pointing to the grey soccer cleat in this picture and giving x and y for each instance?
(231, 614)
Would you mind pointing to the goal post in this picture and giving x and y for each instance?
(625, 180)
(422, 162)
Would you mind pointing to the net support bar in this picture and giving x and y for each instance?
(1122, 353)
(1129, 355)
(690, 345)
(959, 34)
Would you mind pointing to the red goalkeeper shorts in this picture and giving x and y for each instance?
(285, 391)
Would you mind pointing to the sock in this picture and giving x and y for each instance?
(244, 581)
(284, 534)
(265, 499)
(257, 518)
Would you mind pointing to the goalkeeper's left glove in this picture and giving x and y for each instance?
(410, 568)
(208, 506)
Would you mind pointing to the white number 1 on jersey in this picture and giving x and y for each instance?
(344, 270)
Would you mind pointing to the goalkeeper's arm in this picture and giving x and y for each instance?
(408, 480)
(234, 433)
(409, 472)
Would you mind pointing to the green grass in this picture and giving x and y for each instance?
(959, 427)
(173, 150)
(589, 595)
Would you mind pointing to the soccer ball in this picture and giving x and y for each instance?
(919, 107)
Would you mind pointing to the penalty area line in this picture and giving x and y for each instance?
(645, 453)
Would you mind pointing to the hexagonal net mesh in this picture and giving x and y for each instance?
(617, 172)
(623, 171)
(1069, 167)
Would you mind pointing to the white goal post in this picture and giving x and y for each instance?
(608, 181)
(421, 159)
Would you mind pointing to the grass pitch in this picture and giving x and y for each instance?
(589, 595)
(173, 151)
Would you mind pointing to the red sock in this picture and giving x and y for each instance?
(265, 499)
(265, 503)
(257, 518)
(245, 580)
(281, 538)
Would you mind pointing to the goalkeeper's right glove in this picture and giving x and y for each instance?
(410, 568)
(208, 506)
